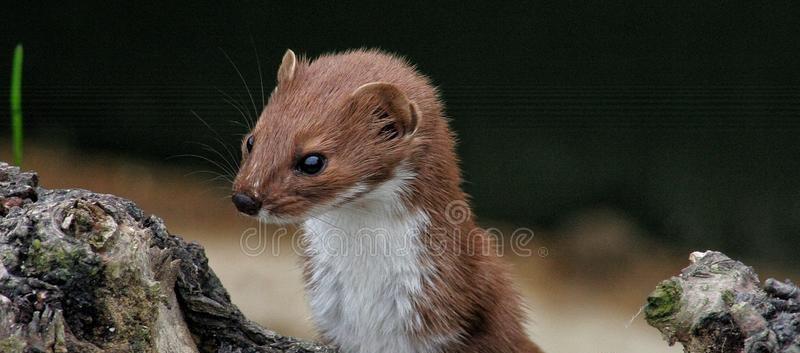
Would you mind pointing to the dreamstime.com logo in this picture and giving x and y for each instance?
(452, 238)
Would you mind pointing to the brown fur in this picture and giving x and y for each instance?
(314, 109)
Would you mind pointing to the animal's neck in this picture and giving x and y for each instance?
(367, 256)
(386, 229)
(365, 233)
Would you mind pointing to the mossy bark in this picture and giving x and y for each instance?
(87, 272)
(718, 305)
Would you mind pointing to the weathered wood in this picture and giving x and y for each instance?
(87, 272)
(718, 305)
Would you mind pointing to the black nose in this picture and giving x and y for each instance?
(246, 204)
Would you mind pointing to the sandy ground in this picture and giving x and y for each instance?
(584, 285)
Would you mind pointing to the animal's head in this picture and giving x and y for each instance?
(333, 130)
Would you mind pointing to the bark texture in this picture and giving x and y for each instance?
(718, 305)
(87, 272)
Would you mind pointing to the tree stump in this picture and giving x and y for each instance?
(718, 305)
(87, 272)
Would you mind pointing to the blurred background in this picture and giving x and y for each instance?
(625, 135)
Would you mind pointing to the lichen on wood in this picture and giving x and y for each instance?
(87, 272)
(718, 305)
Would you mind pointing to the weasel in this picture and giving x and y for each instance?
(355, 148)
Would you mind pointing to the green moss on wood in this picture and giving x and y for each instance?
(663, 302)
(12, 345)
(133, 304)
(728, 297)
(54, 258)
(8, 257)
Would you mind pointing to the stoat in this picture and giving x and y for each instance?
(355, 148)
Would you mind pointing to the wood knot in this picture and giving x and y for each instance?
(90, 221)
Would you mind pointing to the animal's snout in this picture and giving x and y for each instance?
(246, 204)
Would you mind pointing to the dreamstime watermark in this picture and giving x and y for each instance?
(450, 233)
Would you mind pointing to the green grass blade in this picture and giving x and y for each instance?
(16, 105)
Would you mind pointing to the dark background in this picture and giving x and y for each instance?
(684, 117)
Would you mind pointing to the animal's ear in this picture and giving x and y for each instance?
(391, 106)
(288, 65)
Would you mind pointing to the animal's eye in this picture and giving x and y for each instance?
(249, 145)
(311, 164)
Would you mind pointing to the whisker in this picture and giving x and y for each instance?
(226, 188)
(228, 99)
(204, 158)
(218, 138)
(241, 124)
(220, 178)
(208, 148)
(246, 87)
(218, 175)
(260, 76)
(226, 192)
(233, 101)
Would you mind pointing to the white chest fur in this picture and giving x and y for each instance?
(365, 272)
